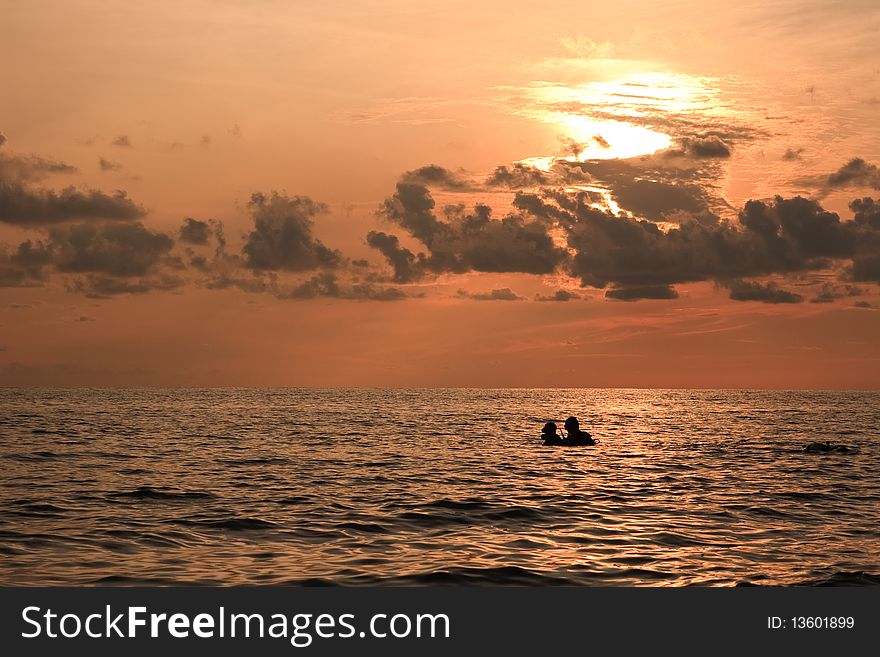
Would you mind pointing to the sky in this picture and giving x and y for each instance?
(386, 193)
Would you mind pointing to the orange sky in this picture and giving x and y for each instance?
(615, 143)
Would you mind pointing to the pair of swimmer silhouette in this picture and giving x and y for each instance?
(573, 430)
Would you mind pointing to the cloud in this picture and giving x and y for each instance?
(23, 206)
(406, 266)
(637, 292)
(501, 294)
(282, 237)
(517, 176)
(465, 241)
(3, 139)
(326, 284)
(115, 258)
(22, 267)
(99, 286)
(831, 292)
(655, 200)
(866, 268)
(254, 282)
(194, 231)
(710, 146)
(436, 176)
(770, 237)
(765, 293)
(524, 176)
(122, 141)
(117, 250)
(108, 165)
(559, 295)
(28, 168)
(856, 172)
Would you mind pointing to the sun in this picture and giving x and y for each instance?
(621, 118)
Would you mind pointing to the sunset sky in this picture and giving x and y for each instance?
(388, 193)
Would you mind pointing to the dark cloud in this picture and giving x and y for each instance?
(501, 294)
(464, 241)
(655, 200)
(282, 237)
(866, 228)
(326, 284)
(863, 304)
(109, 165)
(252, 282)
(856, 172)
(99, 286)
(407, 267)
(830, 292)
(776, 237)
(12, 275)
(115, 259)
(3, 139)
(433, 175)
(792, 154)
(199, 262)
(524, 176)
(559, 295)
(866, 267)
(122, 141)
(518, 176)
(23, 206)
(115, 250)
(28, 168)
(710, 146)
(370, 292)
(194, 231)
(765, 293)
(637, 292)
(866, 212)
(23, 267)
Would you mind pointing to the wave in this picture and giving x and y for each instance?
(149, 493)
(844, 578)
(232, 524)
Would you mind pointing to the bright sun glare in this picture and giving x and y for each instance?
(617, 119)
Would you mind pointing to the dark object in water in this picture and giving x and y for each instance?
(826, 447)
(565, 443)
(575, 438)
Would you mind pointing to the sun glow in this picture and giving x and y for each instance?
(603, 140)
(621, 118)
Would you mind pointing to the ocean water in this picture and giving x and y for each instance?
(412, 487)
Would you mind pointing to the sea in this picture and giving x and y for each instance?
(372, 487)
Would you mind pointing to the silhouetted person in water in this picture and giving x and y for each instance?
(575, 435)
(826, 447)
(550, 435)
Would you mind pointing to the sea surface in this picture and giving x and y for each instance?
(436, 487)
